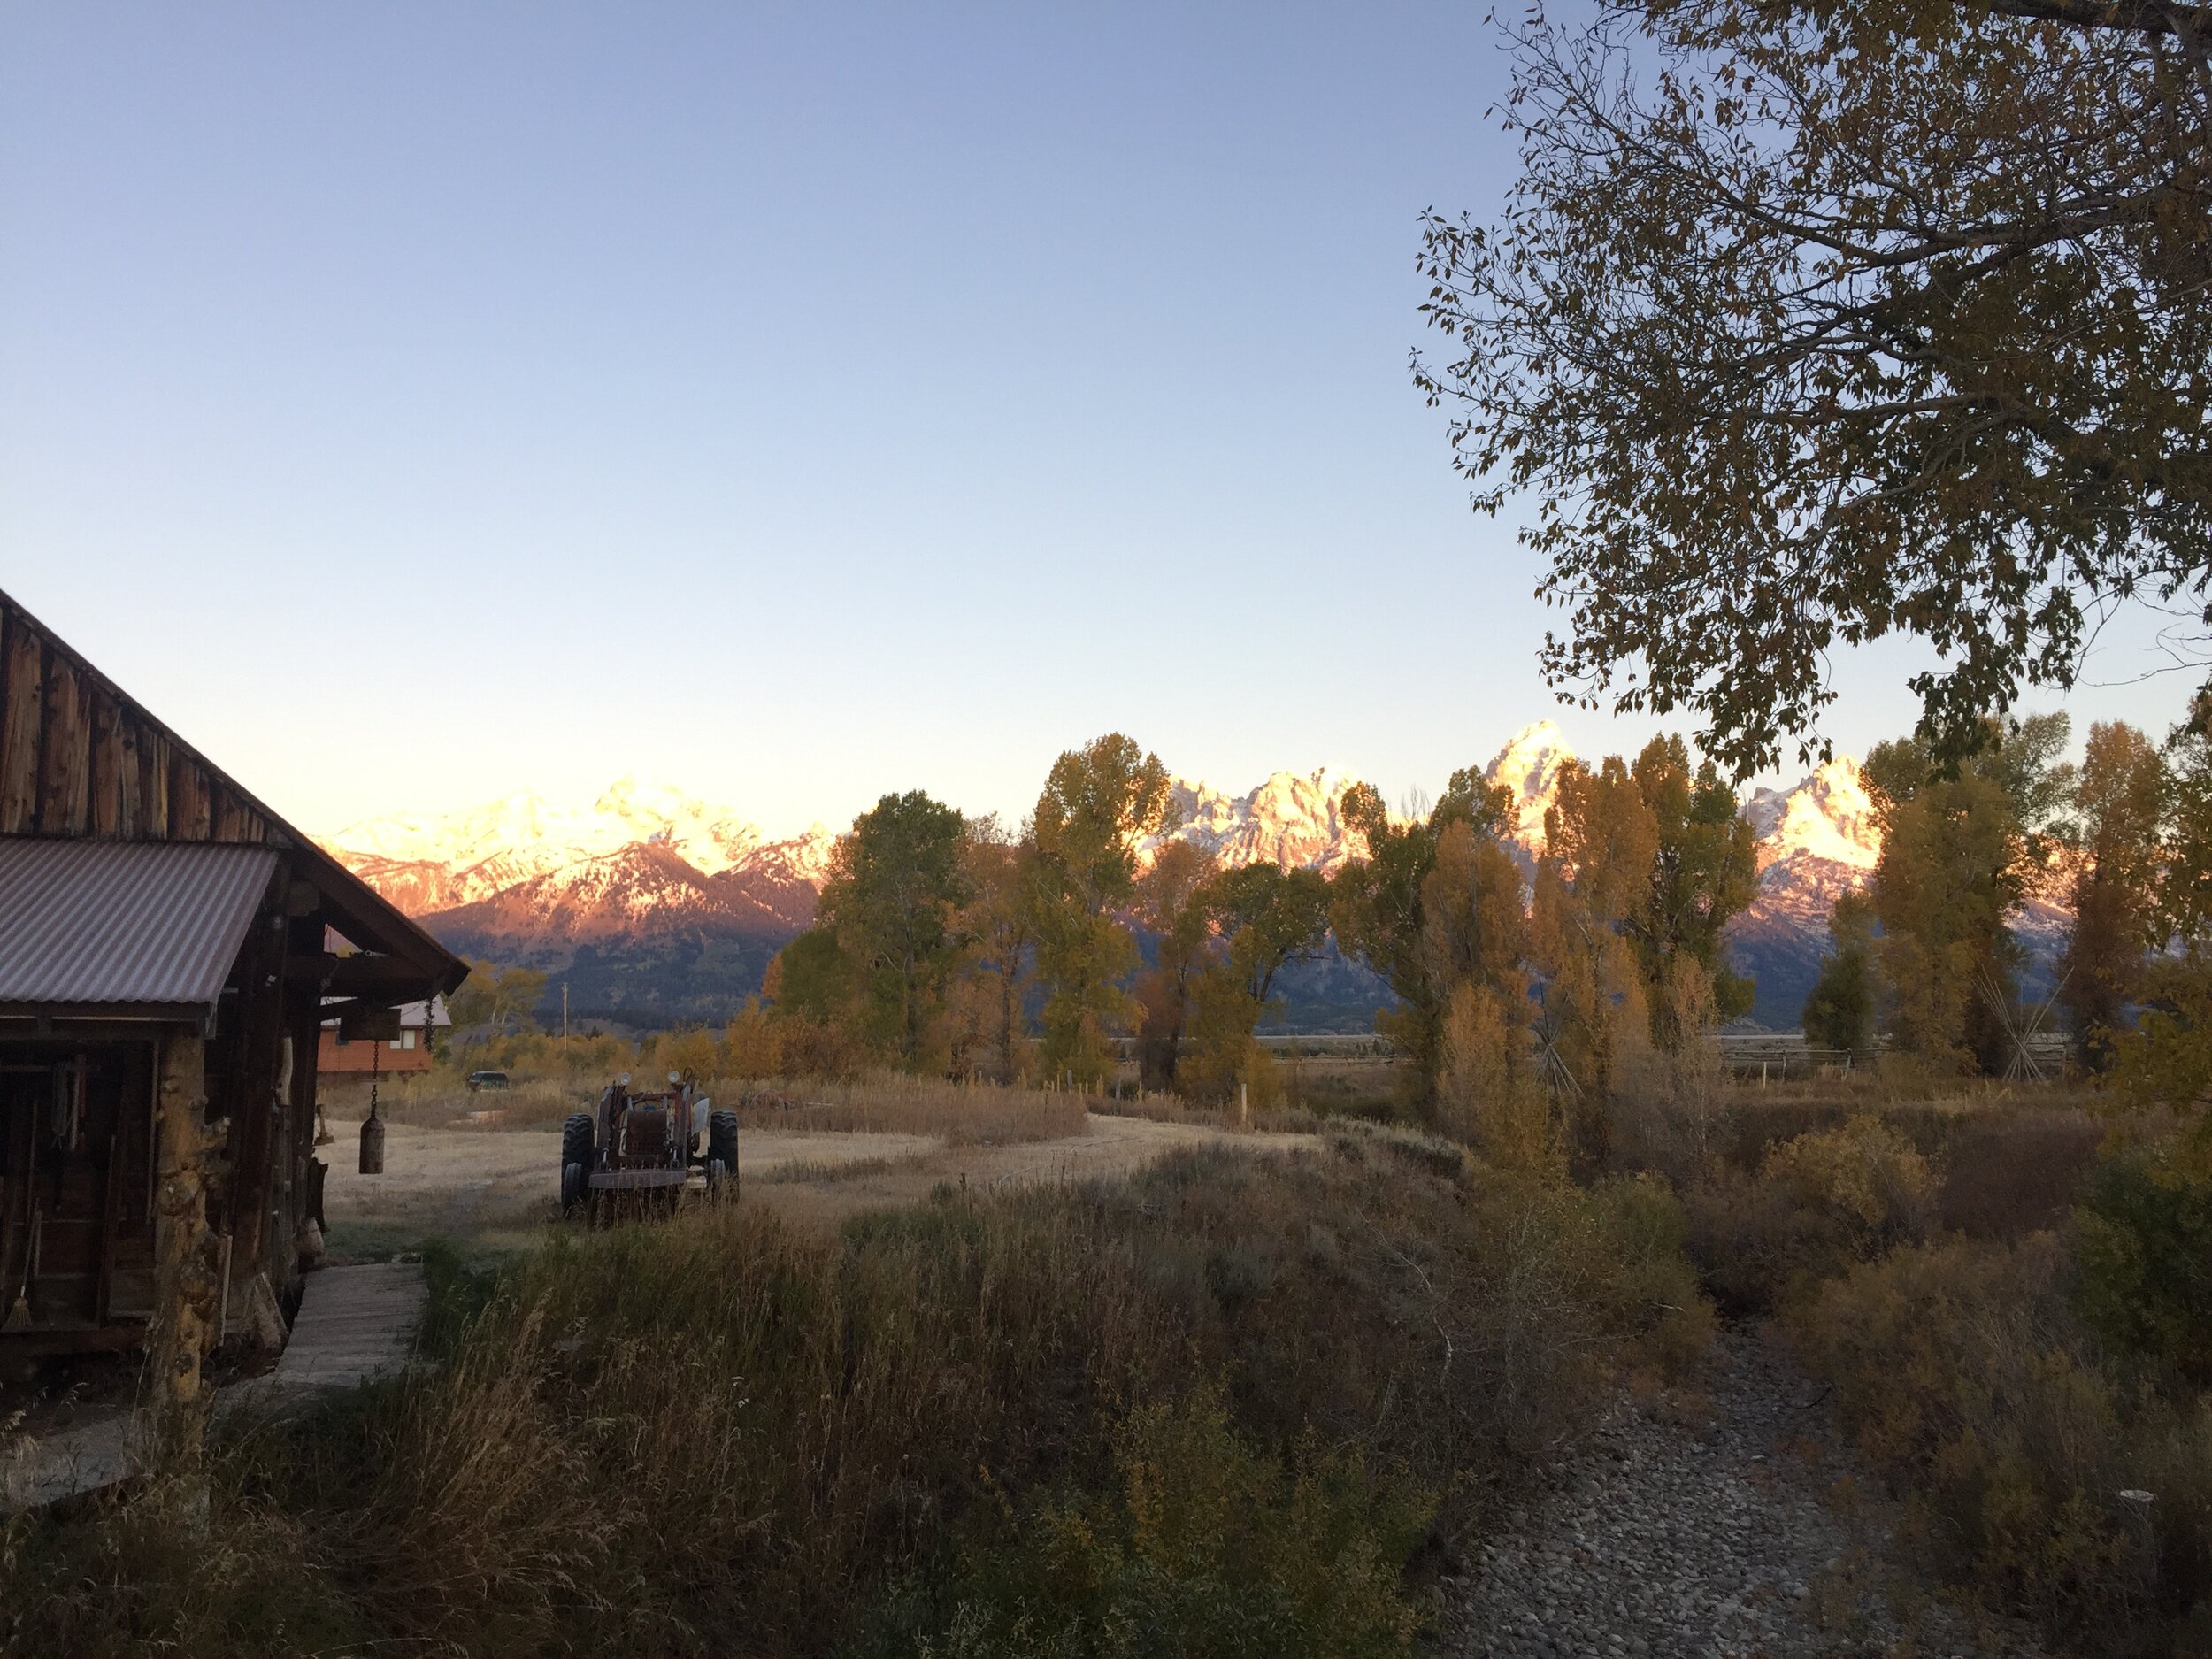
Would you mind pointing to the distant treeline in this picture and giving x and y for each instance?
(965, 946)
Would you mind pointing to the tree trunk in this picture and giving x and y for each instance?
(185, 1247)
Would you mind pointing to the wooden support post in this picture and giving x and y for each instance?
(187, 1288)
(111, 1228)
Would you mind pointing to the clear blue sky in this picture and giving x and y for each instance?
(413, 403)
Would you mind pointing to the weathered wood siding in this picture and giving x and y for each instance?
(79, 759)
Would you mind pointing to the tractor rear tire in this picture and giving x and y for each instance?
(722, 1148)
(577, 1153)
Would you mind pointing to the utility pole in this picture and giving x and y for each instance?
(563, 1019)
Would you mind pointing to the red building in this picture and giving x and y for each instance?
(336, 1055)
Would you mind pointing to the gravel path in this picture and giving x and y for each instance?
(1703, 1535)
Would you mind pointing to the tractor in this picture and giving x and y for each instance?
(640, 1152)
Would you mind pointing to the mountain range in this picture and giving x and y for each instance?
(651, 905)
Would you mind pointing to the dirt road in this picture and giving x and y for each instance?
(493, 1190)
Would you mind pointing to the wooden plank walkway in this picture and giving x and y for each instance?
(86, 1456)
(355, 1323)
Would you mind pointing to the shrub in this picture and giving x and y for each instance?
(811, 1048)
(1202, 1547)
(1667, 1111)
(1819, 1203)
(1967, 1377)
(2008, 1174)
(2145, 1233)
(752, 1044)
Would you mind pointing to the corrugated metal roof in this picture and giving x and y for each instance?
(100, 923)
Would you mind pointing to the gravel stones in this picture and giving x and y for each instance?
(1669, 1537)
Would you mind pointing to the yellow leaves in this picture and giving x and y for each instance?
(1489, 1094)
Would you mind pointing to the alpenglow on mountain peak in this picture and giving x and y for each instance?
(1528, 767)
(429, 863)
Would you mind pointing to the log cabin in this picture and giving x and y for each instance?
(165, 972)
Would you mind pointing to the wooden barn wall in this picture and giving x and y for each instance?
(79, 759)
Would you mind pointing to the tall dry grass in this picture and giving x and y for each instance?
(722, 1434)
(1282, 1118)
(440, 1100)
(895, 1102)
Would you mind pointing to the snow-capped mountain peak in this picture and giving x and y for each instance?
(1529, 767)
(1828, 816)
(1294, 820)
(428, 862)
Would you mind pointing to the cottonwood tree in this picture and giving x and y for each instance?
(2120, 809)
(1172, 904)
(1705, 871)
(2164, 1065)
(1270, 918)
(1841, 1009)
(1382, 913)
(998, 929)
(1263, 918)
(502, 1000)
(816, 1005)
(1601, 846)
(1960, 846)
(1812, 322)
(894, 883)
(1474, 944)
(1098, 802)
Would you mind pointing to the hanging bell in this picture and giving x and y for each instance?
(372, 1141)
(372, 1129)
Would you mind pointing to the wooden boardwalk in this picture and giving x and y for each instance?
(355, 1323)
(83, 1457)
